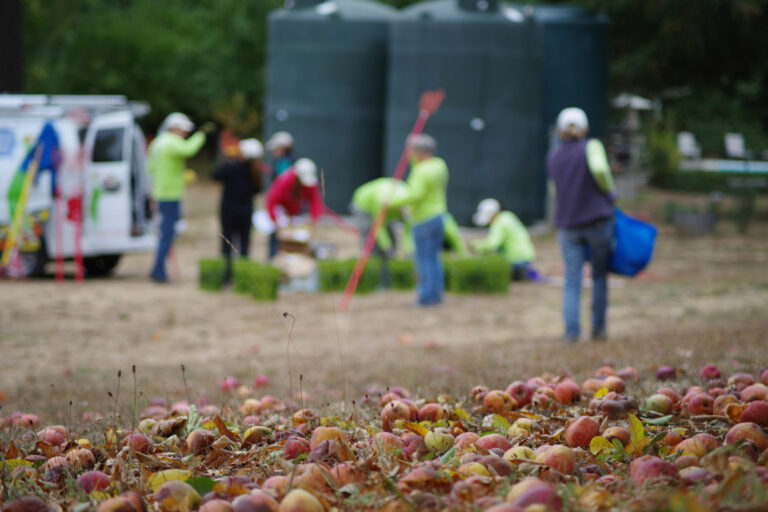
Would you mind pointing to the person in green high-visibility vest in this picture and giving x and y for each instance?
(167, 164)
(427, 202)
(508, 236)
(367, 200)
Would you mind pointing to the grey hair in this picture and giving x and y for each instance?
(423, 142)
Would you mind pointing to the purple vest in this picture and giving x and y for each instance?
(579, 200)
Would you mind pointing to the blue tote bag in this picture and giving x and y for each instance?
(633, 243)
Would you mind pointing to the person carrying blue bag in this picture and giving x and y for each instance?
(584, 214)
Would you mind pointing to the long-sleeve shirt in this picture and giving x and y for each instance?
(427, 185)
(508, 236)
(370, 197)
(288, 192)
(240, 185)
(167, 162)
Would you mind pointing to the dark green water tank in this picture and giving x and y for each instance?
(485, 55)
(326, 83)
(574, 47)
(11, 72)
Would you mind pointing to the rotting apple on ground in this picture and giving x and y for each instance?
(545, 443)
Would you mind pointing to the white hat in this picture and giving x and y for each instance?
(178, 121)
(572, 119)
(422, 142)
(306, 171)
(280, 140)
(251, 149)
(485, 211)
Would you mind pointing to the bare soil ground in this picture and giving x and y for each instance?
(702, 300)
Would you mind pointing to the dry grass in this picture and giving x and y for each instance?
(703, 300)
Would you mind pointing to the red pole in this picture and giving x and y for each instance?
(58, 225)
(79, 274)
(428, 104)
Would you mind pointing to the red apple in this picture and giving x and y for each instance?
(709, 372)
(492, 441)
(299, 500)
(755, 412)
(497, 401)
(93, 481)
(393, 411)
(654, 469)
(754, 392)
(558, 457)
(747, 432)
(665, 373)
(567, 392)
(520, 393)
(580, 432)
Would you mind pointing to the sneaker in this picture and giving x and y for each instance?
(599, 336)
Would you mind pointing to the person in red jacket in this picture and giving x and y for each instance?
(295, 188)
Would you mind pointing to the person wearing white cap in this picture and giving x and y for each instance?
(167, 163)
(294, 190)
(242, 179)
(506, 235)
(281, 146)
(584, 196)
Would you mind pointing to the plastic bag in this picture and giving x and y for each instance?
(633, 244)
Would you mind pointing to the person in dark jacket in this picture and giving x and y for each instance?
(242, 179)
(584, 215)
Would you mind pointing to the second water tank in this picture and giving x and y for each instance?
(484, 54)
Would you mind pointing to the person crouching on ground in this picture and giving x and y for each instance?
(242, 179)
(508, 236)
(584, 200)
(426, 199)
(167, 163)
(294, 190)
(367, 200)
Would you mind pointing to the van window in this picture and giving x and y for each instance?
(108, 146)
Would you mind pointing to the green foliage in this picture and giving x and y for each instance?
(402, 275)
(204, 58)
(663, 157)
(483, 274)
(211, 273)
(334, 274)
(256, 279)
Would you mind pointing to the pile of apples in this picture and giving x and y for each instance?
(612, 441)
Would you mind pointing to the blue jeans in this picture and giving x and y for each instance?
(274, 245)
(573, 243)
(428, 239)
(169, 215)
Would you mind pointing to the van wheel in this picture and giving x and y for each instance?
(97, 266)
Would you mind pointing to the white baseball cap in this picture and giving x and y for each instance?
(486, 209)
(571, 120)
(306, 171)
(280, 140)
(178, 121)
(422, 142)
(251, 149)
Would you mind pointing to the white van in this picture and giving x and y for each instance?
(103, 160)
